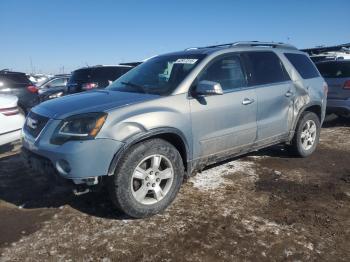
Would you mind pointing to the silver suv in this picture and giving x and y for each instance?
(175, 114)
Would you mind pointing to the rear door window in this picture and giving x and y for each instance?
(56, 83)
(303, 65)
(265, 68)
(334, 69)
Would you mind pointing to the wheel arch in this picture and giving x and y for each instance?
(311, 107)
(171, 135)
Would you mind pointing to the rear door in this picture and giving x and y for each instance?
(274, 91)
(224, 123)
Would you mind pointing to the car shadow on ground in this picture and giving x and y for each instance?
(335, 121)
(26, 189)
(29, 190)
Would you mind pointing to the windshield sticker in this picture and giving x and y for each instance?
(186, 61)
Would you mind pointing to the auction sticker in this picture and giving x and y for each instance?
(186, 61)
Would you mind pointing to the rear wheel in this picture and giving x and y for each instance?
(147, 179)
(306, 135)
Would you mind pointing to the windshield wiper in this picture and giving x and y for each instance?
(141, 88)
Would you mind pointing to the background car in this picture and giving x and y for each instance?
(18, 84)
(37, 78)
(337, 76)
(327, 53)
(53, 87)
(99, 76)
(11, 119)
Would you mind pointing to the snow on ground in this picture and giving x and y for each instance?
(213, 178)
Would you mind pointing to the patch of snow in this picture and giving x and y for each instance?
(288, 252)
(278, 173)
(257, 157)
(260, 224)
(215, 177)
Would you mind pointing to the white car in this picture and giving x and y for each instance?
(11, 120)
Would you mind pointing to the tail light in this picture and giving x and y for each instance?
(32, 89)
(325, 88)
(89, 86)
(10, 111)
(347, 85)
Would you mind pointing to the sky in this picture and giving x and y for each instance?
(55, 36)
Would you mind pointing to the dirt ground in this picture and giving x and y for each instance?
(267, 206)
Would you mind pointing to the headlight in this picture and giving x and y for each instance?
(79, 127)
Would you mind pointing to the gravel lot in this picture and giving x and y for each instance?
(267, 206)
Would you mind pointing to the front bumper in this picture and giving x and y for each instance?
(74, 159)
(339, 106)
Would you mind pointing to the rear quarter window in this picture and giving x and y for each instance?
(100, 74)
(265, 68)
(334, 69)
(108, 73)
(303, 65)
(80, 75)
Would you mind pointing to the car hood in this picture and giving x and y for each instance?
(91, 101)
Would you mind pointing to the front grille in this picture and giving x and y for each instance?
(35, 123)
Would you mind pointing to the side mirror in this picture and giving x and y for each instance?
(208, 88)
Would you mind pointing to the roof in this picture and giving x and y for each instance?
(6, 71)
(243, 44)
(132, 64)
(101, 66)
(61, 75)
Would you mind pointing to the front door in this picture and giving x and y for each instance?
(222, 123)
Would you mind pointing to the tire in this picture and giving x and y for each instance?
(298, 147)
(125, 185)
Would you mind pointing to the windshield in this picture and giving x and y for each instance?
(42, 82)
(159, 75)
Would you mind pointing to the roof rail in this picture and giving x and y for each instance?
(265, 44)
(250, 43)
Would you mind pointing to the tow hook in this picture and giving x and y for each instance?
(81, 190)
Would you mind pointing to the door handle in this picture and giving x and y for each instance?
(289, 93)
(247, 101)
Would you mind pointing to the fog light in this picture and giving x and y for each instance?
(63, 166)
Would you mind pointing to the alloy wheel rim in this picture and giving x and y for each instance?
(152, 179)
(308, 134)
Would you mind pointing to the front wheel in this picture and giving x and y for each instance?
(306, 135)
(147, 179)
